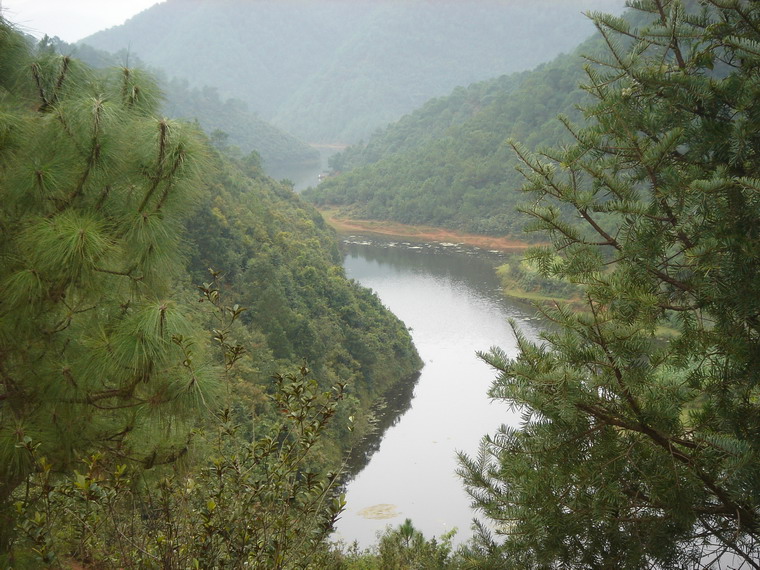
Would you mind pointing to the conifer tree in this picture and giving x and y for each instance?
(640, 447)
(94, 354)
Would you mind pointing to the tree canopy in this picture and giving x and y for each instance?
(447, 163)
(94, 189)
(639, 442)
(129, 410)
(237, 125)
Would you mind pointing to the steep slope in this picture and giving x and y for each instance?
(239, 126)
(281, 262)
(142, 392)
(335, 70)
(231, 120)
(448, 163)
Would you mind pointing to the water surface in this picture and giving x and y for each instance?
(452, 303)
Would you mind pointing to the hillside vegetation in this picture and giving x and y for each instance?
(177, 334)
(334, 71)
(281, 261)
(183, 363)
(448, 163)
(230, 119)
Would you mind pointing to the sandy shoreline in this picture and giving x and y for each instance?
(344, 225)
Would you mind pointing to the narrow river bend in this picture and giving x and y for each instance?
(451, 301)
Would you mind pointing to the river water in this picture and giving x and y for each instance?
(450, 299)
(304, 176)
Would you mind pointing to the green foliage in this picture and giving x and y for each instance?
(243, 130)
(521, 277)
(635, 452)
(447, 164)
(112, 452)
(281, 262)
(94, 188)
(250, 504)
(400, 548)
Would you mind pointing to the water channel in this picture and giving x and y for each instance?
(450, 299)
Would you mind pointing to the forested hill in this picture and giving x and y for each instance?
(176, 327)
(229, 118)
(447, 163)
(334, 71)
(280, 261)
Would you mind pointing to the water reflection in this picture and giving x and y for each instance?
(305, 174)
(387, 413)
(450, 298)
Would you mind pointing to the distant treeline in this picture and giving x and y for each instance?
(448, 164)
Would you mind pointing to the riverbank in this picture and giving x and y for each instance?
(516, 285)
(346, 225)
(512, 286)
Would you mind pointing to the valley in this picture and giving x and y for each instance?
(510, 321)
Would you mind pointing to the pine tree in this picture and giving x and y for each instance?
(94, 353)
(640, 439)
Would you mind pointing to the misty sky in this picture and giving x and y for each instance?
(70, 20)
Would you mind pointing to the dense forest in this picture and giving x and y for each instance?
(447, 163)
(120, 388)
(183, 364)
(334, 71)
(637, 450)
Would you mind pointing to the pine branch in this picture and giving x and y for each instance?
(62, 75)
(674, 44)
(37, 75)
(157, 177)
(734, 547)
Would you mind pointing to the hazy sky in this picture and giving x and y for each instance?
(70, 20)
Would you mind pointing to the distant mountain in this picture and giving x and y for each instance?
(447, 163)
(229, 119)
(336, 70)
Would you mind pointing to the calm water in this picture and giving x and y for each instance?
(452, 304)
(304, 176)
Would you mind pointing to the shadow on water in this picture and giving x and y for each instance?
(387, 412)
(450, 261)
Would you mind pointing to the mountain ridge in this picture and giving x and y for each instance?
(336, 71)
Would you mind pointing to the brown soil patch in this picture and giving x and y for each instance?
(346, 225)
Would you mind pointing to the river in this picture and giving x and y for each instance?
(306, 175)
(450, 299)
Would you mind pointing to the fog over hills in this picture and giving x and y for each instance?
(334, 70)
